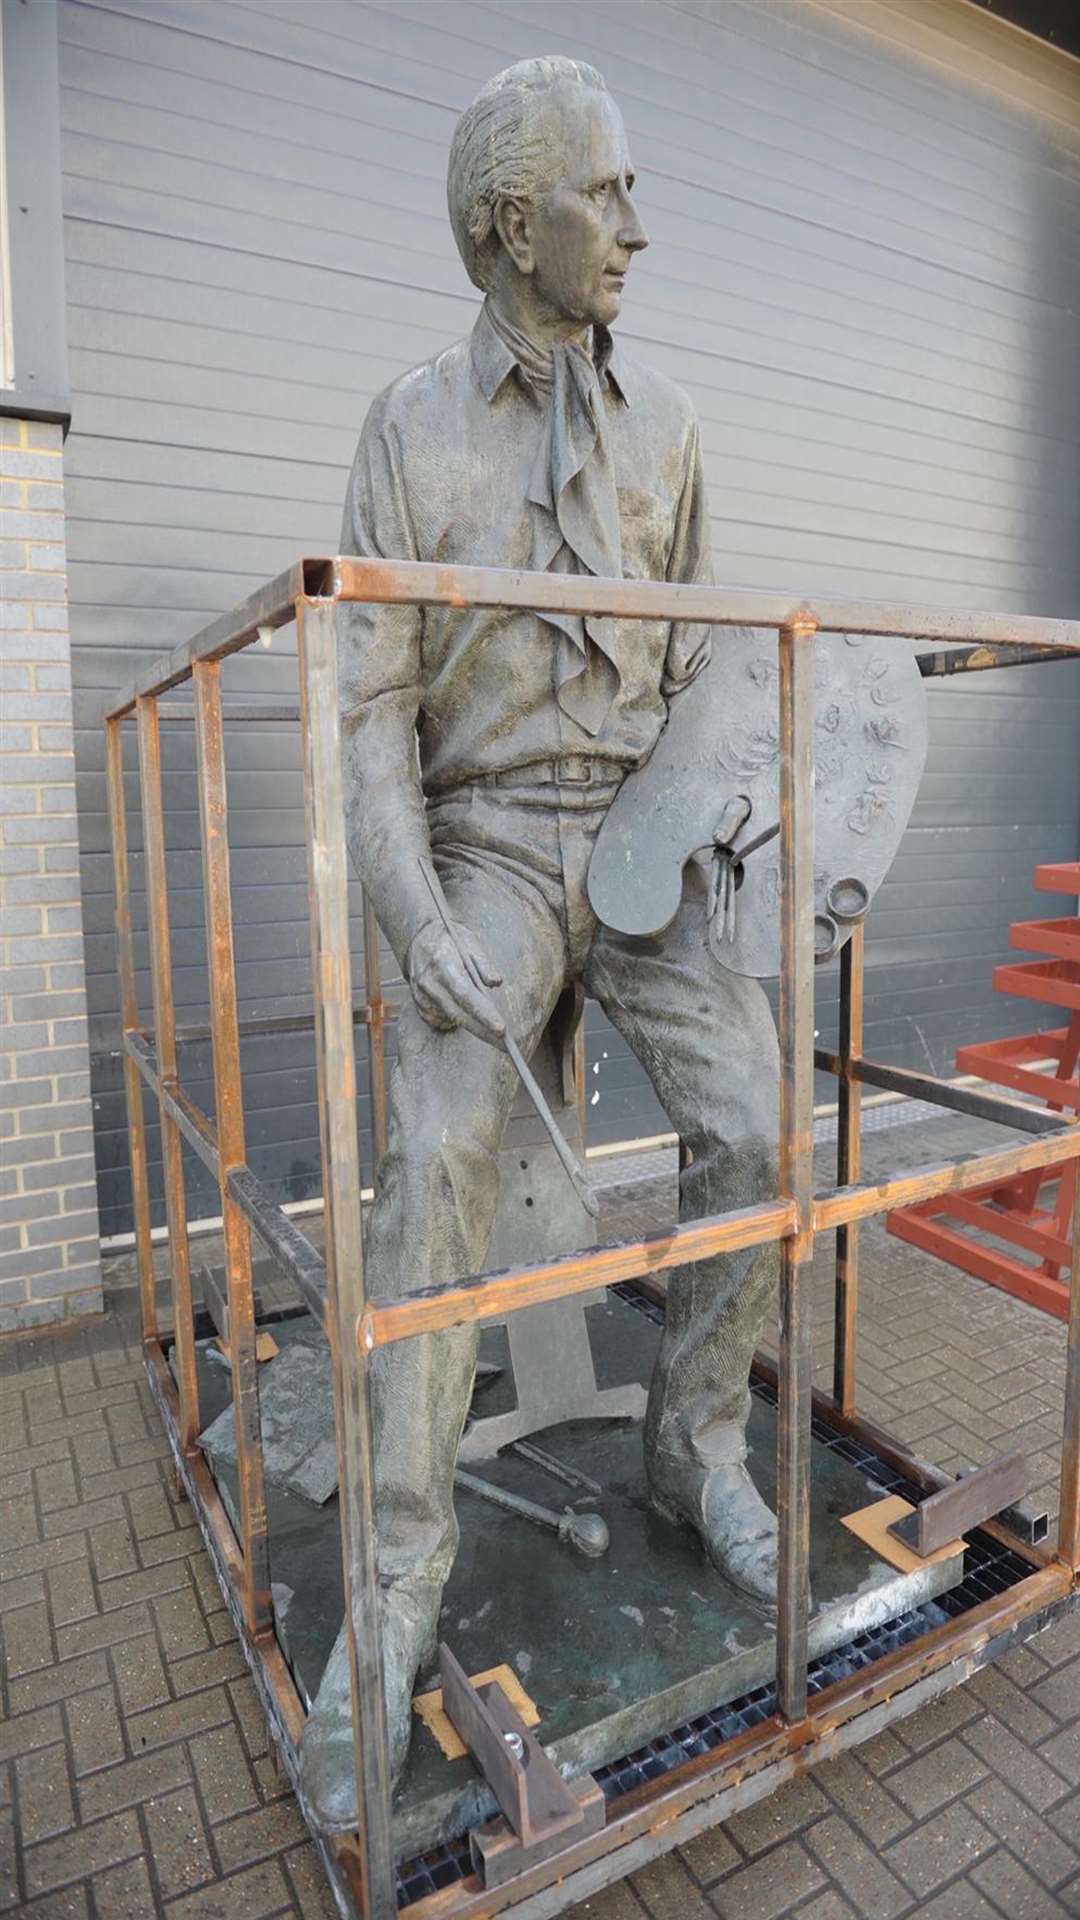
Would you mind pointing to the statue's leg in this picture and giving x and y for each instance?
(707, 1040)
(450, 1096)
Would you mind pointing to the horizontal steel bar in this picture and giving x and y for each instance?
(492, 1296)
(278, 1023)
(270, 710)
(843, 1204)
(422, 584)
(382, 582)
(942, 1093)
(271, 606)
(934, 666)
(196, 1126)
(284, 1242)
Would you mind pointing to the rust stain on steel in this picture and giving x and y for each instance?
(165, 1031)
(844, 1204)
(225, 1039)
(848, 1168)
(491, 1296)
(129, 1019)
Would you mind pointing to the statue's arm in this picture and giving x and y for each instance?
(690, 561)
(379, 685)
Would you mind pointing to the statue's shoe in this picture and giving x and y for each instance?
(410, 1613)
(737, 1528)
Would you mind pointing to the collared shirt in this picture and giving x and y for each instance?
(443, 472)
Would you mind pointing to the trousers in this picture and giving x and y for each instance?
(513, 863)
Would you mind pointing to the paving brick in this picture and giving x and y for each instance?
(26, 1732)
(207, 1669)
(125, 1893)
(961, 1901)
(9, 1879)
(1048, 1854)
(1062, 1752)
(776, 1817)
(72, 1904)
(140, 1675)
(1025, 1771)
(940, 1775)
(863, 1799)
(179, 1719)
(267, 1830)
(45, 1803)
(828, 1906)
(1023, 1714)
(249, 1713)
(25, 1592)
(1059, 1694)
(113, 1551)
(253, 1894)
(142, 1586)
(316, 1902)
(932, 1723)
(178, 1843)
(864, 1879)
(181, 1627)
(133, 1780)
(943, 1846)
(27, 1640)
(103, 1630)
(1060, 1640)
(772, 1886)
(1013, 1890)
(97, 1739)
(58, 1683)
(71, 1592)
(44, 1553)
(223, 1772)
(667, 1892)
(82, 1852)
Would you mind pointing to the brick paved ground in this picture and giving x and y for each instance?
(135, 1778)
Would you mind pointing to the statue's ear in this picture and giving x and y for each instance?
(512, 222)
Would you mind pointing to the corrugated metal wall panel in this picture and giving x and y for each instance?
(865, 269)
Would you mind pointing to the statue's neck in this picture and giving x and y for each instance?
(512, 302)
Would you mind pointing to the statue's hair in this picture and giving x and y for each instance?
(496, 153)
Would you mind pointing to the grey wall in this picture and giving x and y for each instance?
(865, 269)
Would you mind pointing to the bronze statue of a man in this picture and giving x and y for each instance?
(493, 742)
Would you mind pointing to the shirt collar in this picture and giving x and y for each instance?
(493, 359)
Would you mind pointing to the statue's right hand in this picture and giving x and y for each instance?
(441, 986)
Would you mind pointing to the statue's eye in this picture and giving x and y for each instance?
(601, 192)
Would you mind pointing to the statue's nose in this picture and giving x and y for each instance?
(632, 234)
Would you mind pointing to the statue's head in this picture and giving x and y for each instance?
(539, 188)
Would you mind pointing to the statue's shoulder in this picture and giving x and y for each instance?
(412, 401)
(664, 399)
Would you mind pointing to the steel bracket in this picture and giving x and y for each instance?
(969, 1501)
(542, 1812)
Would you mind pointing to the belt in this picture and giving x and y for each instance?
(568, 770)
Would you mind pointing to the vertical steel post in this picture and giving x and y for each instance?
(796, 648)
(335, 1061)
(157, 898)
(1069, 1524)
(129, 1019)
(376, 1034)
(229, 1118)
(848, 1163)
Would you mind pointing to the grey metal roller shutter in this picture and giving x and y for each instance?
(865, 269)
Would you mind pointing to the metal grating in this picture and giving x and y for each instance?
(989, 1569)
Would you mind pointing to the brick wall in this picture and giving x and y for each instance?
(49, 1261)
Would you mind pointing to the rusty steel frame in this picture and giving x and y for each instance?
(663, 1813)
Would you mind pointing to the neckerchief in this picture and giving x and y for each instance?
(576, 519)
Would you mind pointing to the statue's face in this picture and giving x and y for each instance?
(584, 232)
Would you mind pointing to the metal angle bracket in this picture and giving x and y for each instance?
(975, 1497)
(542, 1811)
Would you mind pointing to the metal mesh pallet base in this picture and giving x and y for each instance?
(989, 1569)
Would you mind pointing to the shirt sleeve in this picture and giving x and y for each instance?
(378, 650)
(690, 561)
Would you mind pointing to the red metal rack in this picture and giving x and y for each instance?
(1032, 1213)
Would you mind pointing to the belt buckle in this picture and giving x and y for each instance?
(564, 774)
